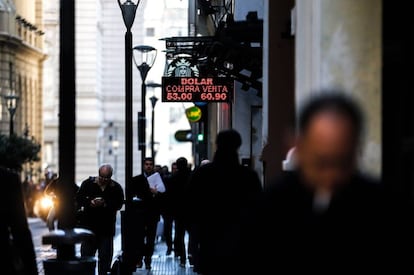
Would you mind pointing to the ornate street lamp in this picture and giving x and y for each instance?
(115, 147)
(153, 100)
(11, 104)
(128, 9)
(144, 58)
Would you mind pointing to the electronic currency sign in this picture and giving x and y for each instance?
(197, 89)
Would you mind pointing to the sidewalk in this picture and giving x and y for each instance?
(161, 264)
(165, 265)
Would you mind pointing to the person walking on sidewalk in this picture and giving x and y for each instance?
(15, 235)
(167, 211)
(100, 198)
(146, 206)
(177, 190)
(52, 191)
(222, 194)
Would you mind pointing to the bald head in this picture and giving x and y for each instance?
(334, 103)
(105, 171)
(328, 141)
(331, 131)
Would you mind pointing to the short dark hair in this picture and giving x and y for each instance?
(229, 140)
(331, 101)
(182, 163)
(149, 159)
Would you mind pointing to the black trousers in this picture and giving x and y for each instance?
(168, 226)
(146, 239)
(103, 244)
(138, 237)
(179, 239)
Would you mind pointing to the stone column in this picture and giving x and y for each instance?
(338, 44)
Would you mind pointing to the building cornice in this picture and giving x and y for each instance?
(21, 46)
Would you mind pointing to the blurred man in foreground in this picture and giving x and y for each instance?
(325, 213)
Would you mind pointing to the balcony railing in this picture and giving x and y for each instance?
(28, 33)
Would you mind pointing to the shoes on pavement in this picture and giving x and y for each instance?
(139, 264)
(190, 260)
(147, 264)
(196, 269)
(168, 253)
(182, 264)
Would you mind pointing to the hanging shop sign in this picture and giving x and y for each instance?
(182, 67)
(183, 84)
(193, 89)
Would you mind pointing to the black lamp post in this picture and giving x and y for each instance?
(11, 104)
(128, 9)
(115, 146)
(144, 61)
(67, 235)
(153, 100)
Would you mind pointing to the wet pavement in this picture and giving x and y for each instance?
(161, 264)
(165, 265)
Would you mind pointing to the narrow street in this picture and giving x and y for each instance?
(39, 228)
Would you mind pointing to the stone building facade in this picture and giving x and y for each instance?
(21, 70)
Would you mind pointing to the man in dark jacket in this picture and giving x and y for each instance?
(325, 213)
(146, 206)
(100, 198)
(176, 189)
(14, 229)
(221, 198)
(167, 211)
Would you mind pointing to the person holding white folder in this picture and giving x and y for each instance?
(145, 191)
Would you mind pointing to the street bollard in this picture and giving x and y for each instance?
(66, 261)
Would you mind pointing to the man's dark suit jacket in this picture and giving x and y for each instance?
(349, 235)
(146, 201)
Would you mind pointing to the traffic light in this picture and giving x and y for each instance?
(200, 137)
(183, 135)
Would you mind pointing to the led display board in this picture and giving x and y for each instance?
(197, 89)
